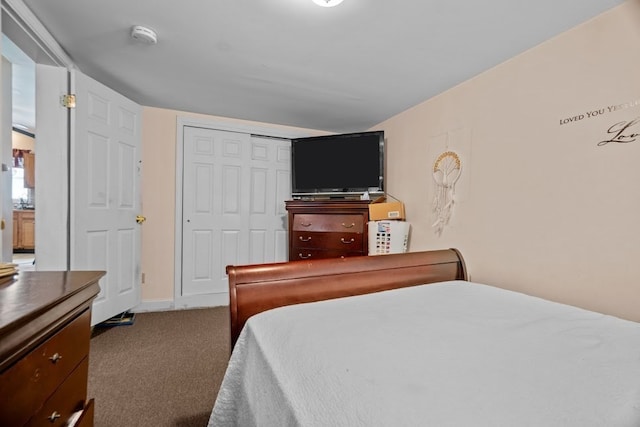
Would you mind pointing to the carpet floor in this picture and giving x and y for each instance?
(163, 370)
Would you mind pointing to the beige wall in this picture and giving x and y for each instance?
(541, 208)
(159, 195)
(22, 142)
(158, 202)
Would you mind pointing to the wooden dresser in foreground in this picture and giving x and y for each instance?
(327, 228)
(45, 329)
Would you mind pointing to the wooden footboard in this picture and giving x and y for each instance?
(260, 287)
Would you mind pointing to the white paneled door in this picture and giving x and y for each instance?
(105, 193)
(234, 188)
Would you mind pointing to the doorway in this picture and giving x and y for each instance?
(61, 217)
(18, 155)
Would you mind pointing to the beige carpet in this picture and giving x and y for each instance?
(164, 370)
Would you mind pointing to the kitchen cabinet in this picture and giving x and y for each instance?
(24, 229)
(29, 170)
(15, 230)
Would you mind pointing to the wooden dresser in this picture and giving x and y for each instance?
(45, 329)
(327, 228)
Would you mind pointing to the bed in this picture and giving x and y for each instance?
(406, 340)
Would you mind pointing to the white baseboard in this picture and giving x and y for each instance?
(164, 305)
(199, 301)
(184, 303)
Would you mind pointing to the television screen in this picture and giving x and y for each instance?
(338, 164)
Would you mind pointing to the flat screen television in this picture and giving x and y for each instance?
(338, 165)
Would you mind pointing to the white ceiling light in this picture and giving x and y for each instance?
(327, 3)
(144, 34)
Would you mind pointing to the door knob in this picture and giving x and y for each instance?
(140, 219)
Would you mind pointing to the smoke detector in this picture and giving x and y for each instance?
(144, 34)
(327, 3)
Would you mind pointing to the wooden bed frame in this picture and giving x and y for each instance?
(260, 287)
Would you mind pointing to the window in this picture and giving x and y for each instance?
(18, 190)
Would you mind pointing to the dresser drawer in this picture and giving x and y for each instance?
(306, 253)
(66, 401)
(25, 386)
(85, 417)
(329, 222)
(328, 241)
(82, 417)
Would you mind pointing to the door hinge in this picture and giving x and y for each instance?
(68, 101)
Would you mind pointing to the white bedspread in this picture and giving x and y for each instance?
(447, 354)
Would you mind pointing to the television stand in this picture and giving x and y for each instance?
(330, 228)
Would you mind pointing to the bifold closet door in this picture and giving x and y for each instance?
(234, 188)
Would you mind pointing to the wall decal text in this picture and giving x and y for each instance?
(599, 111)
(623, 132)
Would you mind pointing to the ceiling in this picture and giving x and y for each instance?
(291, 62)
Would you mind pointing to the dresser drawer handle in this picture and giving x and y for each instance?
(347, 241)
(54, 359)
(53, 417)
(302, 256)
(304, 239)
(305, 224)
(353, 224)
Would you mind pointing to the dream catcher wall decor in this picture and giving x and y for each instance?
(446, 171)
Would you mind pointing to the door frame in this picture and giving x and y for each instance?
(52, 225)
(33, 37)
(6, 202)
(253, 129)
